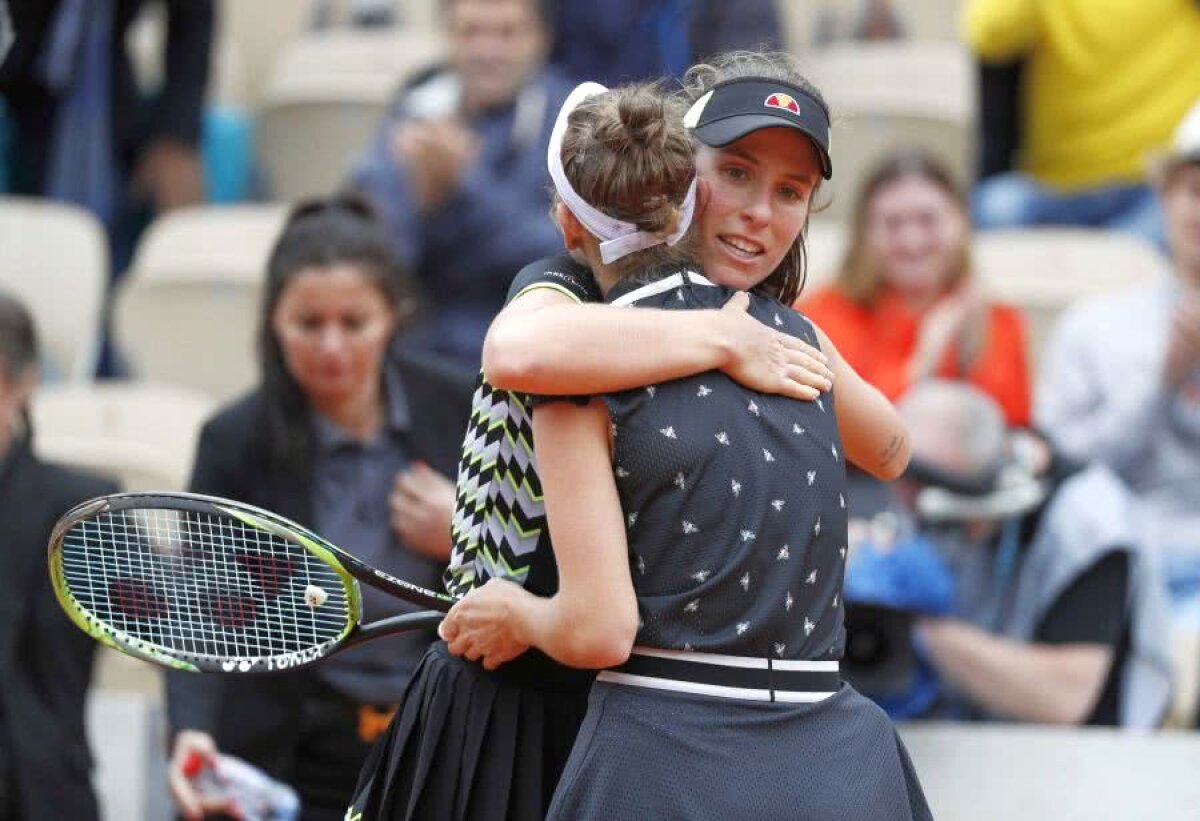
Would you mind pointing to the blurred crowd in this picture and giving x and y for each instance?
(1039, 562)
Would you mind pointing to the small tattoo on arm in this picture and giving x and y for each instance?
(894, 447)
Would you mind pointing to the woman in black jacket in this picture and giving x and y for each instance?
(353, 441)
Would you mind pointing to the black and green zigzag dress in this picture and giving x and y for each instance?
(467, 743)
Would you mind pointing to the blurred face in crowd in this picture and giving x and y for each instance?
(916, 234)
(15, 390)
(760, 193)
(333, 325)
(495, 45)
(1181, 205)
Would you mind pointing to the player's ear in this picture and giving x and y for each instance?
(572, 229)
(703, 195)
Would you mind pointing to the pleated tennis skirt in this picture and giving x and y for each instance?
(649, 754)
(471, 745)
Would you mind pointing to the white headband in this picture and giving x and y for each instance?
(617, 238)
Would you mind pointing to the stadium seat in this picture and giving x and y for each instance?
(54, 258)
(324, 99)
(142, 434)
(188, 309)
(923, 20)
(1045, 270)
(825, 242)
(886, 95)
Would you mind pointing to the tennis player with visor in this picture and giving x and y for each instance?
(513, 727)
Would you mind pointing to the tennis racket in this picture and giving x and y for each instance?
(210, 585)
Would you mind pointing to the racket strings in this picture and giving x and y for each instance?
(202, 585)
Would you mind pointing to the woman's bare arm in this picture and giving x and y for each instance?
(545, 343)
(873, 435)
(592, 620)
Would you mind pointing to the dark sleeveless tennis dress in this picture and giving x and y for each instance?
(467, 744)
(731, 706)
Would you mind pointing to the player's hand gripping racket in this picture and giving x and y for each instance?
(210, 585)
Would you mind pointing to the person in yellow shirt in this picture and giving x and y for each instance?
(1102, 89)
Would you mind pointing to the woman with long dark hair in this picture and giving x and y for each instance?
(346, 438)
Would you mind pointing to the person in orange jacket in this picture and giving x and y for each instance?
(906, 305)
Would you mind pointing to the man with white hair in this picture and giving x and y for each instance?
(1056, 617)
(1120, 382)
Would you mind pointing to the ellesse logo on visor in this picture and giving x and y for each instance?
(784, 101)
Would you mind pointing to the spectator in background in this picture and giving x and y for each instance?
(906, 305)
(1101, 89)
(867, 21)
(355, 446)
(1120, 382)
(45, 661)
(354, 13)
(82, 130)
(621, 41)
(1058, 618)
(458, 168)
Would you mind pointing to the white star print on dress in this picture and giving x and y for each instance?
(748, 535)
(679, 481)
(812, 477)
(651, 390)
(842, 550)
(783, 554)
(742, 627)
(841, 501)
(835, 599)
(736, 487)
(688, 527)
(788, 602)
(621, 472)
(808, 626)
(767, 456)
(704, 390)
(679, 296)
(668, 432)
(753, 408)
(641, 565)
(702, 575)
(632, 517)
(835, 453)
(723, 438)
(778, 321)
(812, 578)
(817, 527)
(778, 504)
(821, 405)
(692, 607)
(796, 429)
(744, 581)
(780, 648)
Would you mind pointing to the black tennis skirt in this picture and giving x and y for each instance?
(649, 754)
(471, 745)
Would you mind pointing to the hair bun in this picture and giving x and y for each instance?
(644, 118)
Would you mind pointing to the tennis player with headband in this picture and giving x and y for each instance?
(510, 746)
(708, 520)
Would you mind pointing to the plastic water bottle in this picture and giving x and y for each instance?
(252, 794)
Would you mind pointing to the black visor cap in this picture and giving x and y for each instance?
(735, 108)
